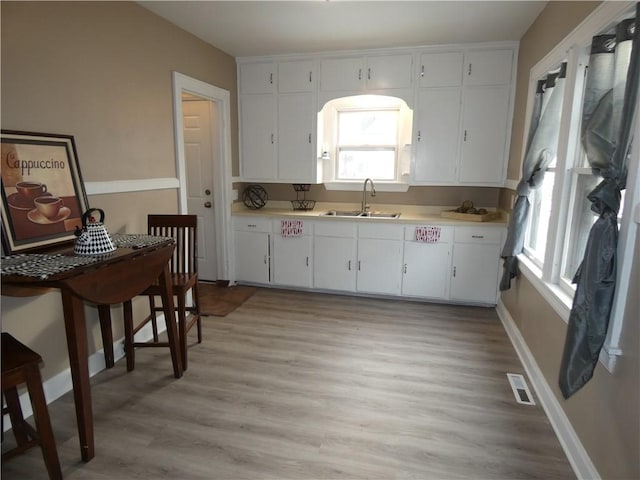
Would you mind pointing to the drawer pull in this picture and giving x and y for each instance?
(251, 225)
(477, 236)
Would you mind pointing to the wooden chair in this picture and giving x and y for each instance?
(21, 365)
(184, 278)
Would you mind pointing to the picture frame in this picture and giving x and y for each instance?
(43, 195)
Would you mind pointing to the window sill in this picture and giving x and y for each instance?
(561, 303)
(357, 186)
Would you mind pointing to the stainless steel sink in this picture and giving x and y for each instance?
(356, 214)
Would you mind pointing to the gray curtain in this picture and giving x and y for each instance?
(611, 96)
(541, 150)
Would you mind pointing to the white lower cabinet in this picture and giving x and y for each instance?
(252, 251)
(476, 264)
(461, 265)
(292, 257)
(427, 265)
(334, 256)
(379, 258)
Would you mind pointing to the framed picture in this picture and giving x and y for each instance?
(43, 196)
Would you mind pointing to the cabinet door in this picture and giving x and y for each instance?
(389, 71)
(441, 69)
(341, 74)
(292, 260)
(258, 133)
(295, 77)
(296, 160)
(252, 257)
(426, 269)
(379, 266)
(334, 260)
(257, 78)
(438, 136)
(483, 151)
(491, 67)
(475, 273)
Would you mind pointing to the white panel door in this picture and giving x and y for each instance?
(200, 149)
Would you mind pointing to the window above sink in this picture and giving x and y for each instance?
(365, 136)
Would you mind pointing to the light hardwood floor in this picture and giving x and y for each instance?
(298, 385)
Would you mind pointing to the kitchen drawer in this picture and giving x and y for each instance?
(336, 229)
(478, 235)
(385, 232)
(307, 226)
(252, 224)
(446, 233)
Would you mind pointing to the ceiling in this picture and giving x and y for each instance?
(250, 28)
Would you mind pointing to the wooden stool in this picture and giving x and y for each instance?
(21, 365)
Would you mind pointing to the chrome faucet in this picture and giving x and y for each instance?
(365, 207)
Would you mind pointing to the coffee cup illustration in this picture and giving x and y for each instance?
(31, 190)
(49, 206)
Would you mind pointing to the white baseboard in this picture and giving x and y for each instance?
(573, 448)
(61, 383)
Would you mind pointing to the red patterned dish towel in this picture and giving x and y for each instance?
(428, 234)
(291, 228)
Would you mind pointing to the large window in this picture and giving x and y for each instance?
(560, 216)
(365, 136)
(367, 144)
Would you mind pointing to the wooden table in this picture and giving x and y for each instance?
(114, 279)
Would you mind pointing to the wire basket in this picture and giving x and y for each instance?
(303, 204)
(301, 187)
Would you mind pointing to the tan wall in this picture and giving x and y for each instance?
(432, 196)
(605, 413)
(100, 71)
(554, 23)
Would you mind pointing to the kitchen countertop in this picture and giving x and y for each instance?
(409, 214)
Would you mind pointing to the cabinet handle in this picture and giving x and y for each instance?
(368, 74)
(310, 73)
(477, 236)
(265, 259)
(454, 271)
(271, 78)
(419, 135)
(405, 268)
(309, 138)
(251, 225)
(272, 139)
(465, 136)
(359, 74)
(469, 72)
(358, 265)
(307, 261)
(349, 265)
(422, 71)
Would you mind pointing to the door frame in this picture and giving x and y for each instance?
(222, 189)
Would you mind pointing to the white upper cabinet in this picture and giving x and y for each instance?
(295, 137)
(488, 67)
(296, 77)
(438, 135)
(376, 72)
(441, 69)
(257, 77)
(484, 135)
(258, 136)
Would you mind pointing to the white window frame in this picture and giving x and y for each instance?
(328, 144)
(546, 278)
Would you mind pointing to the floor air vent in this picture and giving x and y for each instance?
(520, 389)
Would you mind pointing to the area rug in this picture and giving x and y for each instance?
(220, 300)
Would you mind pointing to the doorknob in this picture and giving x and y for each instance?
(207, 192)
(207, 204)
